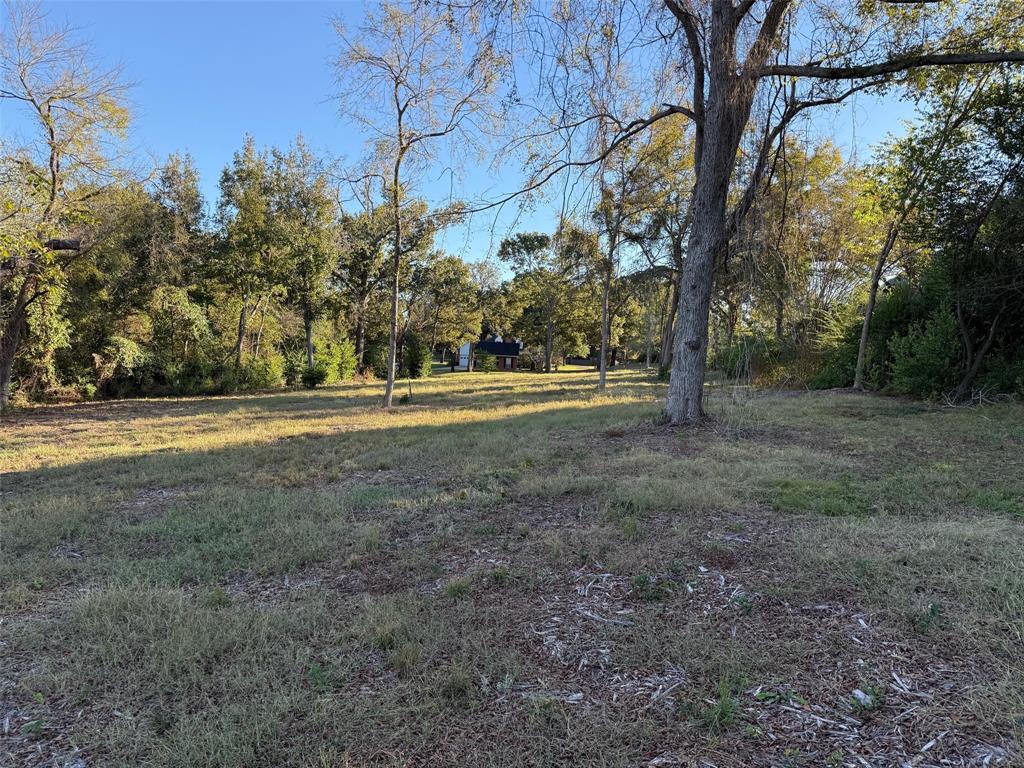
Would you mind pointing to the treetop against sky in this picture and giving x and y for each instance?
(205, 74)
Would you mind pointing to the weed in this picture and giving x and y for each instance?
(369, 540)
(719, 712)
(485, 531)
(456, 685)
(743, 604)
(33, 729)
(867, 698)
(546, 712)
(650, 588)
(322, 678)
(823, 497)
(630, 528)
(405, 657)
(925, 620)
(458, 588)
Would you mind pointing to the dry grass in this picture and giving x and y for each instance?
(512, 570)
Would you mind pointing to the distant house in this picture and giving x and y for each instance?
(506, 354)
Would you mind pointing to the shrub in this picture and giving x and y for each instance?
(485, 362)
(346, 360)
(375, 358)
(532, 359)
(416, 357)
(315, 376)
(925, 359)
(294, 365)
(748, 357)
(1003, 375)
(263, 372)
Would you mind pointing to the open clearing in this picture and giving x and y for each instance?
(512, 570)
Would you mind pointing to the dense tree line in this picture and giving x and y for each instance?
(793, 268)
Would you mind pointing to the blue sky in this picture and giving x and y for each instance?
(206, 73)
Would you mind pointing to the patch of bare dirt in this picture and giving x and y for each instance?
(150, 503)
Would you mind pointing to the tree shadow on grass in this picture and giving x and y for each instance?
(272, 504)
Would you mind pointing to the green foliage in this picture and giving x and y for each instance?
(484, 362)
(821, 497)
(327, 359)
(650, 588)
(376, 358)
(315, 376)
(264, 372)
(1002, 374)
(416, 357)
(925, 360)
(719, 713)
(117, 363)
(346, 360)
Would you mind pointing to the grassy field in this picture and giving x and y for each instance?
(512, 570)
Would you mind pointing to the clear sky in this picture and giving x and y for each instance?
(206, 73)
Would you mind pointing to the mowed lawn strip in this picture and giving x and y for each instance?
(512, 569)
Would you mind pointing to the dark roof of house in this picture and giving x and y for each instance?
(502, 348)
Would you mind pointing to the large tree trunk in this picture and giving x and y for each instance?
(6, 363)
(727, 112)
(689, 357)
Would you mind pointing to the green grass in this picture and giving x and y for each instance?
(512, 569)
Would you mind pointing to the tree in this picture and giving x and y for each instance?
(732, 53)
(451, 309)
(360, 269)
(79, 115)
(243, 261)
(408, 76)
(805, 244)
(972, 205)
(902, 173)
(303, 216)
(543, 282)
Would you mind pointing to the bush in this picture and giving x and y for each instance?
(416, 357)
(485, 362)
(375, 358)
(925, 359)
(263, 372)
(749, 357)
(346, 360)
(327, 359)
(531, 359)
(838, 343)
(294, 365)
(315, 376)
(1002, 375)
